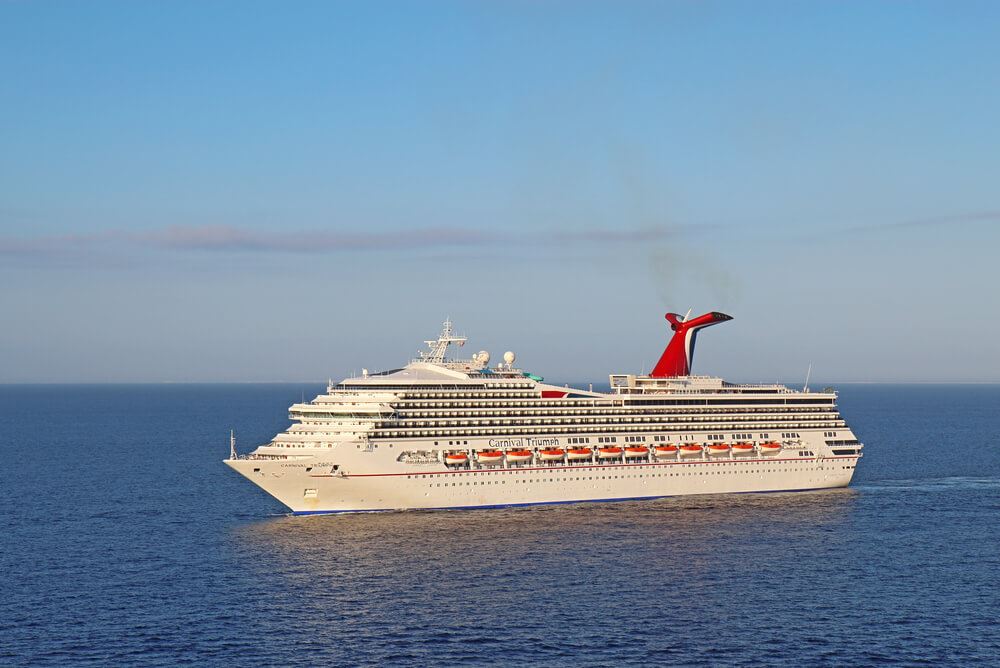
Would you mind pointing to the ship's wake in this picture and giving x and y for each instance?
(930, 484)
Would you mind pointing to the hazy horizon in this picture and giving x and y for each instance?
(248, 191)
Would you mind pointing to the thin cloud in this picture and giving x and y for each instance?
(933, 221)
(227, 238)
(54, 244)
(597, 236)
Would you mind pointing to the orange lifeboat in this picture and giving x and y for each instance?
(717, 449)
(690, 450)
(664, 451)
(456, 458)
(770, 448)
(518, 456)
(609, 453)
(743, 449)
(579, 453)
(636, 451)
(552, 454)
(489, 457)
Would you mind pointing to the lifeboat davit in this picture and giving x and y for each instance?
(456, 458)
(636, 451)
(690, 450)
(743, 449)
(665, 451)
(579, 453)
(609, 453)
(552, 455)
(518, 456)
(490, 457)
(717, 449)
(771, 448)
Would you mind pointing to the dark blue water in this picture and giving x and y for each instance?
(125, 540)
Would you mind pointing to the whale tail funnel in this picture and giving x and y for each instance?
(679, 354)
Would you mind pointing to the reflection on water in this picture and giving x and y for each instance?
(683, 529)
(551, 571)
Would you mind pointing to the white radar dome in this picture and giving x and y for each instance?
(509, 357)
(483, 357)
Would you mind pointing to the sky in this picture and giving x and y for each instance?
(273, 191)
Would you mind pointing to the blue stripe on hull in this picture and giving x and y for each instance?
(546, 503)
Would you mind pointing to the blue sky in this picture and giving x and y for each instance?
(286, 191)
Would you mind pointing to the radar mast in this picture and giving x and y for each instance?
(438, 349)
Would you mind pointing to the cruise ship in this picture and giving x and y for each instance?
(444, 433)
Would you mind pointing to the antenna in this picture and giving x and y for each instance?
(232, 444)
(686, 316)
(438, 348)
(805, 388)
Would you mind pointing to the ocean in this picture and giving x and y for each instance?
(126, 541)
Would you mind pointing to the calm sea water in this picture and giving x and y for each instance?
(127, 541)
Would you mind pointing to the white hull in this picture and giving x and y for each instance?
(321, 491)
